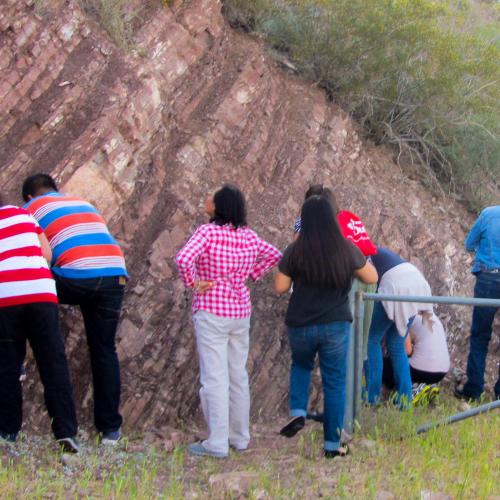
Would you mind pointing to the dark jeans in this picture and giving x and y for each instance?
(100, 300)
(487, 287)
(330, 342)
(39, 324)
(417, 376)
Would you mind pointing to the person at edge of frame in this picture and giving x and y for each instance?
(484, 240)
(29, 312)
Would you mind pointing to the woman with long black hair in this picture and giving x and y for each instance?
(321, 264)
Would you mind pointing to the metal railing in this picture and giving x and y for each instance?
(355, 370)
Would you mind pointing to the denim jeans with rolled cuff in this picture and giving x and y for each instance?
(382, 327)
(100, 300)
(330, 341)
(487, 287)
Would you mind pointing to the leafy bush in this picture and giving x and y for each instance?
(417, 74)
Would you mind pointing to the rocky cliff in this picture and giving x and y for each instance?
(146, 133)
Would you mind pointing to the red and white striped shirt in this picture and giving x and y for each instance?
(227, 256)
(24, 274)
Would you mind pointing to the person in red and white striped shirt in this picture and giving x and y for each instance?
(28, 311)
(216, 262)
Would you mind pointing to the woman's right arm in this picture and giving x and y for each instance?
(408, 345)
(367, 274)
(187, 255)
(45, 246)
(282, 282)
(268, 256)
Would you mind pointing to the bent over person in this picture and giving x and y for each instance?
(216, 262)
(28, 311)
(391, 321)
(89, 270)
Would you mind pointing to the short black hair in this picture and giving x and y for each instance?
(229, 207)
(36, 183)
(314, 190)
(320, 190)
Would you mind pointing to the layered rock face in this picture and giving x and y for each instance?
(146, 134)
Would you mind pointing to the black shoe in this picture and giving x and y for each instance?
(341, 452)
(8, 437)
(23, 374)
(317, 417)
(460, 394)
(295, 425)
(69, 445)
(111, 438)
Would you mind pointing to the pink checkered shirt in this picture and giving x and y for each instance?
(226, 256)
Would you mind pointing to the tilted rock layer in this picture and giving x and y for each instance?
(146, 134)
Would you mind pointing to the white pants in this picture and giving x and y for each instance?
(225, 395)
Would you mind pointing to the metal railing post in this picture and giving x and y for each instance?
(358, 352)
(350, 373)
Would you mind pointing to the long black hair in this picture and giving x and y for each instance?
(229, 207)
(321, 254)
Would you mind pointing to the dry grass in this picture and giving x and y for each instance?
(116, 18)
(461, 461)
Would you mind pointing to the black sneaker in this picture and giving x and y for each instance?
(294, 425)
(69, 445)
(317, 417)
(341, 452)
(8, 437)
(460, 394)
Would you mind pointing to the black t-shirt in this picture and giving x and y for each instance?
(384, 260)
(312, 304)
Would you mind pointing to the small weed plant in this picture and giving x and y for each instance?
(116, 18)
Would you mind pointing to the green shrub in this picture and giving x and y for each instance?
(418, 74)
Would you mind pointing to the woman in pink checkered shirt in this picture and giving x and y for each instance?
(216, 262)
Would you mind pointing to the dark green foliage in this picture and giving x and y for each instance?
(420, 75)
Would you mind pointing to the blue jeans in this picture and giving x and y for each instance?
(382, 326)
(100, 300)
(487, 287)
(330, 341)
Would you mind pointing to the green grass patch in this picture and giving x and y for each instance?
(460, 460)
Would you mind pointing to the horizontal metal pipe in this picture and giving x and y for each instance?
(460, 416)
(465, 301)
